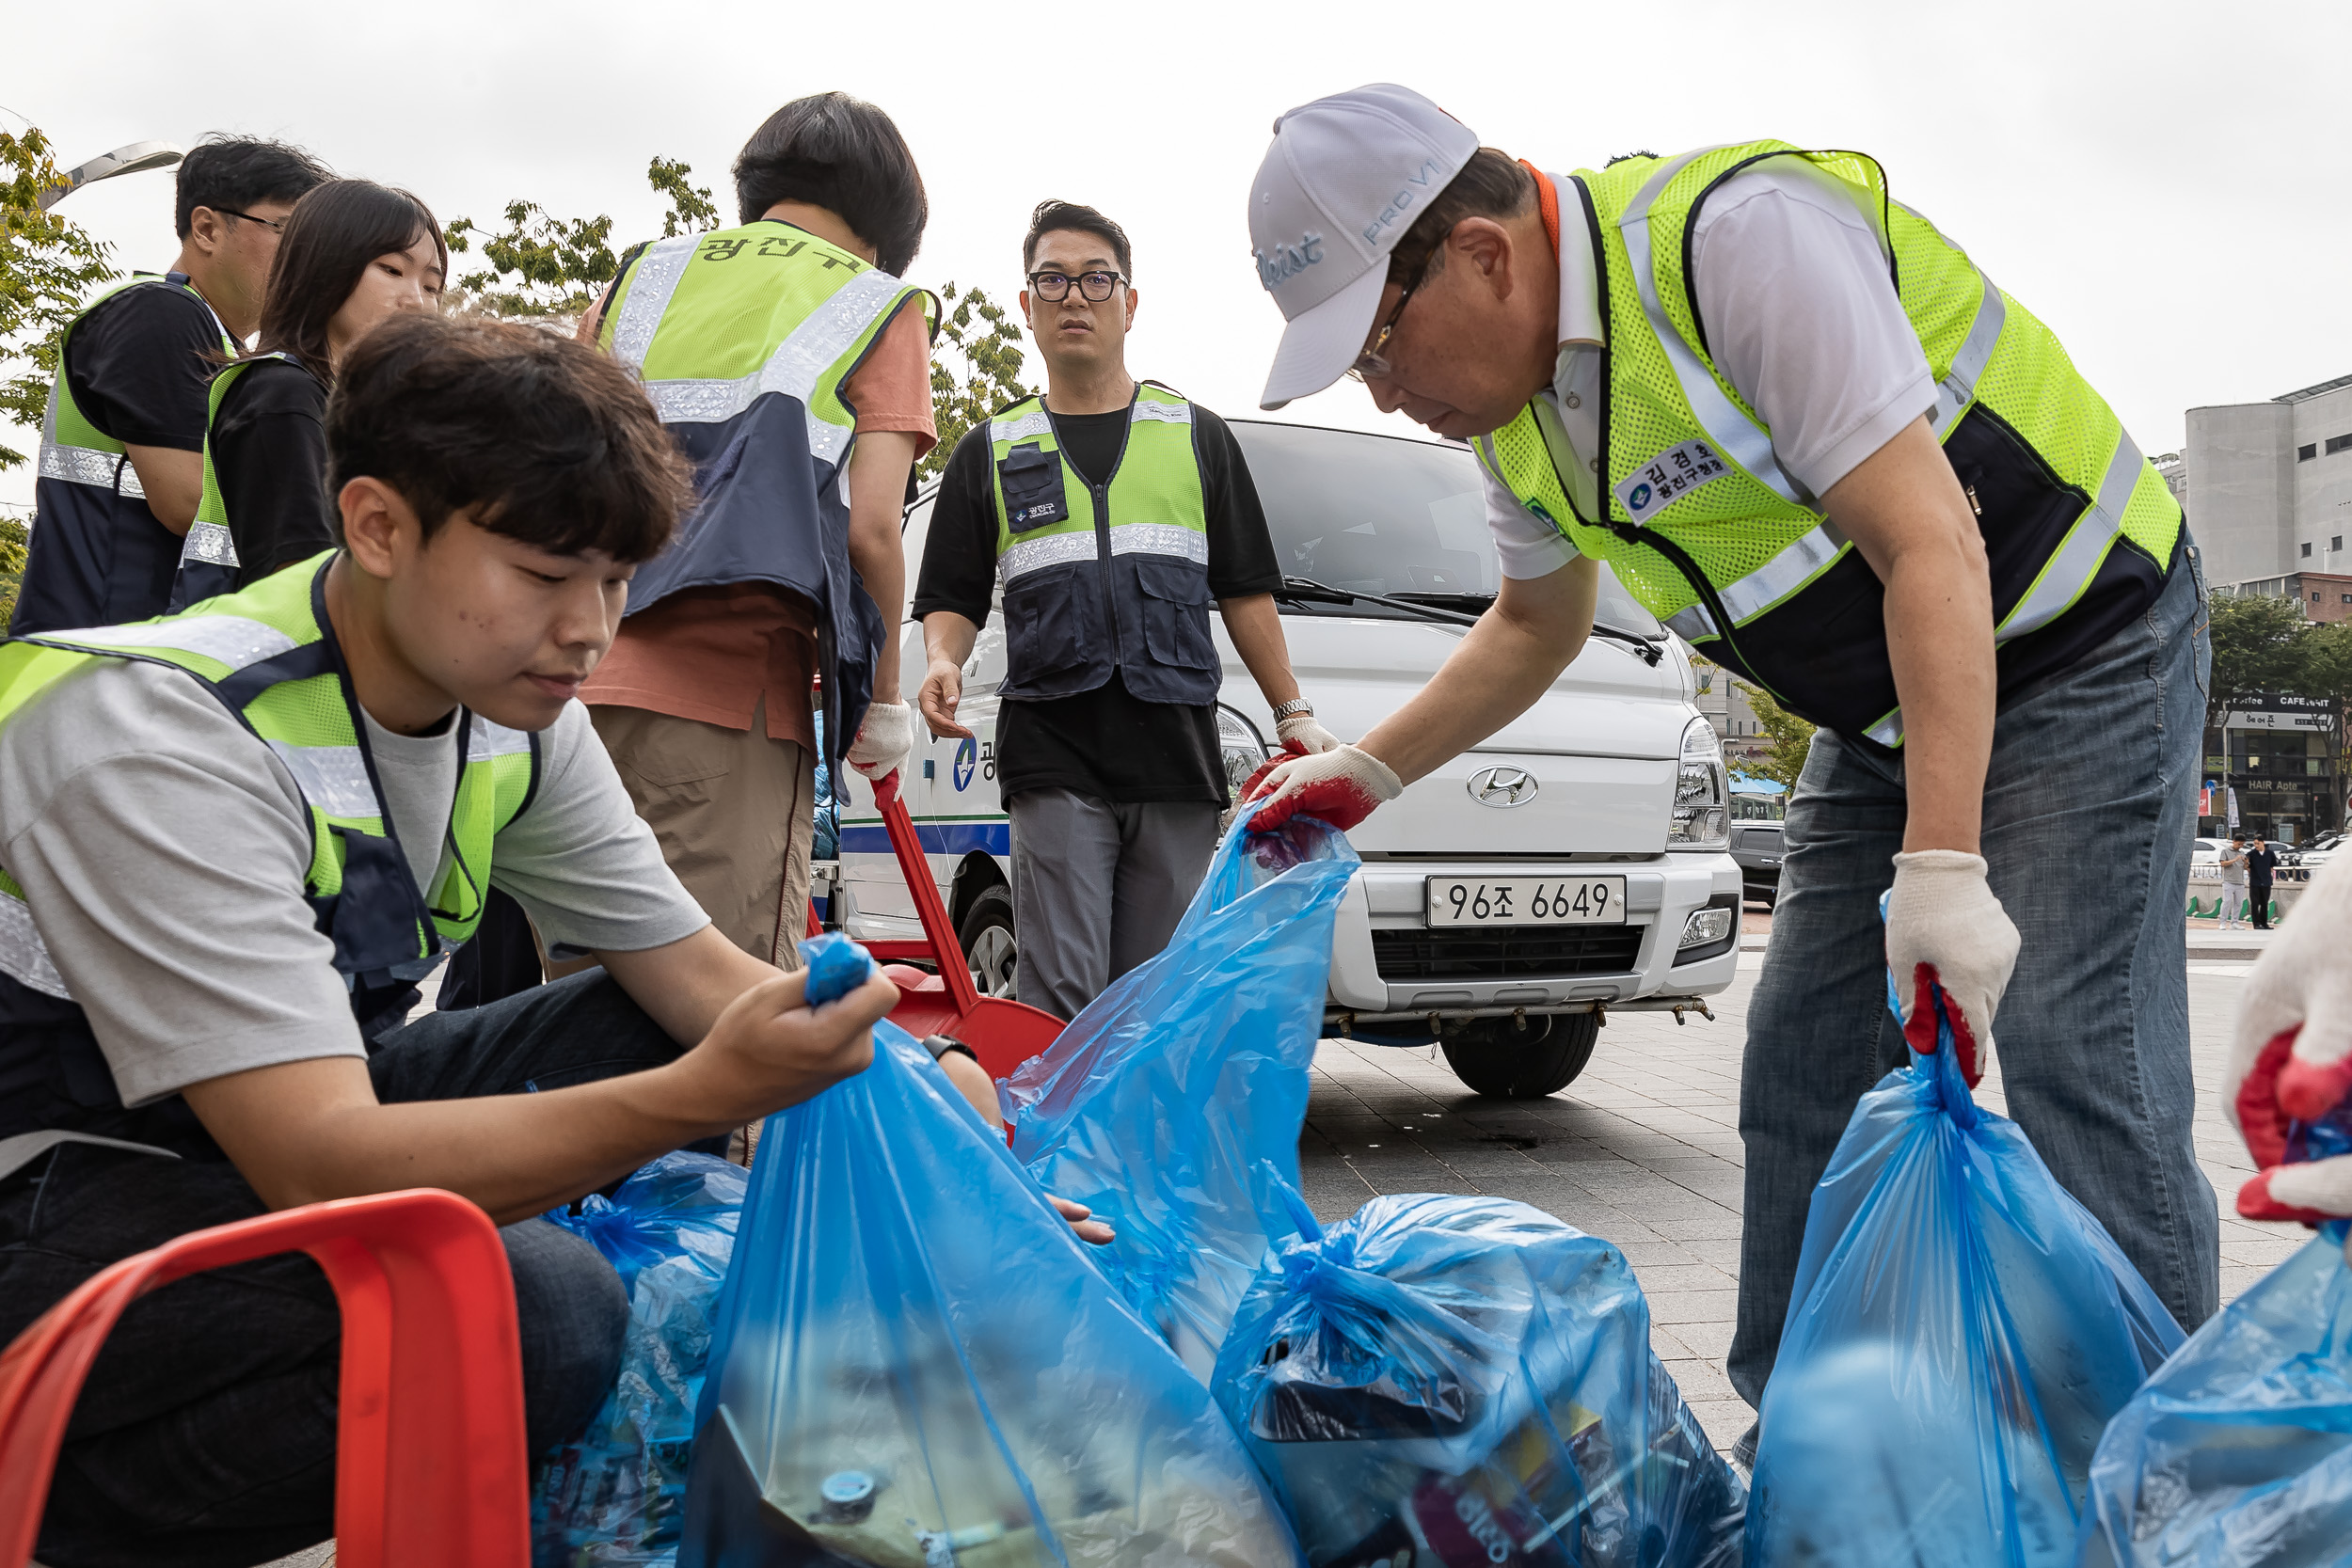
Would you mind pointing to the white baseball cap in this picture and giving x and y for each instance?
(1345, 177)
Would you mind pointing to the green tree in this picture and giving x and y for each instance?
(541, 267)
(13, 541)
(1788, 739)
(983, 376)
(47, 268)
(2260, 644)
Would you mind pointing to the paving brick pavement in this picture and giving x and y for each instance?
(1644, 1151)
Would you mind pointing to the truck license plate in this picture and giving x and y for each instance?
(1527, 901)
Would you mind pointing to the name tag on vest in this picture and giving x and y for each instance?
(1670, 475)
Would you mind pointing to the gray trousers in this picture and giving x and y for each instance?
(1097, 887)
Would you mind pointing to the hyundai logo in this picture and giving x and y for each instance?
(1502, 787)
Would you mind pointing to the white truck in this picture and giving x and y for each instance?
(1574, 864)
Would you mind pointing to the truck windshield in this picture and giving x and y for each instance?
(1383, 515)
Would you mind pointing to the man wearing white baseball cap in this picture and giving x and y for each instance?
(1804, 430)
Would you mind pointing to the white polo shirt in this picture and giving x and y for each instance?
(1802, 320)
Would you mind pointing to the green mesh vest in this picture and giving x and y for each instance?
(269, 656)
(1105, 577)
(207, 558)
(1703, 525)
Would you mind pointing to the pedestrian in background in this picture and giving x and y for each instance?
(354, 252)
(120, 467)
(1112, 510)
(2262, 865)
(2233, 882)
(792, 560)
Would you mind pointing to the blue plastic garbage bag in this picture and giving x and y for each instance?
(918, 1367)
(1961, 1332)
(2238, 1451)
(1442, 1381)
(1171, 1105)
(616, 1494)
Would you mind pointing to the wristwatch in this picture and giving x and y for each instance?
(1292, 710)
(939, 1045)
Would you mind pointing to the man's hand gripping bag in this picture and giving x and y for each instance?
(1171, 1105)
(918, 1366)
(1961, 1332)
(1467, 1383)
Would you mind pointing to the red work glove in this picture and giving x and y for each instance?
(1342, 787)
(2292, 1058)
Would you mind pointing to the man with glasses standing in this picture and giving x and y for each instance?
(1803, 429)
(1113, 511)
(121, 448)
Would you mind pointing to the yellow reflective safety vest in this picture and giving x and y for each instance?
(208, 557)
(743, 338)
(1108, 577)
(1702, 525)
(98, 555)
(270, 656)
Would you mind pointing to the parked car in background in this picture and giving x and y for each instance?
(1758, 847)
(2313, 852)
(1573, 865)
(2207, 851)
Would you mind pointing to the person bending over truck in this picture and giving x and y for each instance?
(234, 838)
(1808, 433)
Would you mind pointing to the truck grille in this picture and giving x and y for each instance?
(1506, 953)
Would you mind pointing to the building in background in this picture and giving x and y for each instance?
(1725, 703)
(2282, 755)
(2267, 487)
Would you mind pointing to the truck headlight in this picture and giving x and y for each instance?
(1710, 931)
(1702, 808)
(1240, 748)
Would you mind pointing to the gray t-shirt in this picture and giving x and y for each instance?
(162, 848)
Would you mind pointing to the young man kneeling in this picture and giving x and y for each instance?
(232, 838)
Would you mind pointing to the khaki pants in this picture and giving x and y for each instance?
(733, 813)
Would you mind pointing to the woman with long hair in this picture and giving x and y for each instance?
(352, 253)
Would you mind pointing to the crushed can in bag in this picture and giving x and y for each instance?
(1445, 1381)
(1961, 1332)
(614, 1496)
(1171, 1106)
(918, 1366)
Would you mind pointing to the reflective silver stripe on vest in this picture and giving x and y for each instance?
(1691, 623)
(235, 640)
(1052, 550)
(83, 465)
(1160, 539)
(485, 740)
(1166, 413)
(1798, 563)
(1035, 422)
(332, 777)
(1735, 435)
(23, 957)
(2076, 560)
(1888, 731)
(649, 292)
(1958, 388)
(208, 543)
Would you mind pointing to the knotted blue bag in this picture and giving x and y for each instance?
(2238, 1453)
(616, 1494)
(1448, 1382)
(1171, 1105)
(919, 1366)
(1961, 1332)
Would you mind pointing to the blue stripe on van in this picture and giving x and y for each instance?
(937, 838)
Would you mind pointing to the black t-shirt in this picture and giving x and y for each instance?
(269, 453)
(138, 363)
(1107, 742)
(2260, 863)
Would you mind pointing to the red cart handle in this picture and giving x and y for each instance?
(946, 950)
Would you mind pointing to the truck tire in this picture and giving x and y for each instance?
(986, 936)
(1493, 1056)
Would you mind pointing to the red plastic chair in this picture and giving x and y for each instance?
(437, 1473)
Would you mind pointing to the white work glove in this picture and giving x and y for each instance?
(1945, 929)
(1341, 786)
(2292, 1058)
(1311, 737)
(883, 741)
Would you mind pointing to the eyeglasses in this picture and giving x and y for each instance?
(276, 225)
(1055, 286)
(1371, 364)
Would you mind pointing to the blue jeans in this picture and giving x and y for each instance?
(205, 1436)
(2088, 822)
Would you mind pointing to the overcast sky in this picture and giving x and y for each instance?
(2163, 183)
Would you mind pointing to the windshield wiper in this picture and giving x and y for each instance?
(1308, 591)
(1649, 649)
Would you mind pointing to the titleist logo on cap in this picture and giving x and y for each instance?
(1278, 263)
